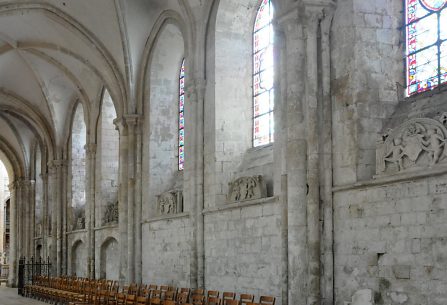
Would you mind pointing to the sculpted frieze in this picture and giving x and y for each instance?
(170, 202)
(416, 144)
(246, 188)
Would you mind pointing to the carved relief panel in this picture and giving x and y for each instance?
(170, 202)
(246, 188)
(416, 144)
(111, 214)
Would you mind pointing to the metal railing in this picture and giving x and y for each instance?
(29, 269)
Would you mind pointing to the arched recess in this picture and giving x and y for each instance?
(109, 259)
(79, 259)
(107, 159)
(229, 151)
(161, 110)
(78, 140)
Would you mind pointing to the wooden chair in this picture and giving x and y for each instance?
(231, 302)
(213, 301)
(198, 299)
(156, 294)
(246, 298)
(198, 291)
(154, 301)
(228, 296)
(169, 302)
(131, 299)
(152, 287)
(142, 300)
(170, 295)
(213, 294)
(267, 300)
(182, 298)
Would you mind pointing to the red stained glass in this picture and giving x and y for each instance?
(425, 36)
(263, 75)
(181, 121)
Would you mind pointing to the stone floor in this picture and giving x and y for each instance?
(9, 296)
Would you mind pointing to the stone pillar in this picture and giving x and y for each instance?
(56, 184)
(123, 199)
(193, 175)
(90, 175)
(295, 150)
(131, 122)
(13, 237)
(138, 202)
(32, 220)
(327, 285)
(45, 203)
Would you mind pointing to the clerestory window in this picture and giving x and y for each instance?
(426, 44)
(181, 118)
(263, 91)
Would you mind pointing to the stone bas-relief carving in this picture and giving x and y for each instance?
(170, 202)
(111, 214)
(247, 188)
(417, 143)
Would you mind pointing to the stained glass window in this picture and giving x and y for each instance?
(181, 118)
(426, 34)
(263, 91)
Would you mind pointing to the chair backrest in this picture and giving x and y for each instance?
(170, 295)
(152, 287)
(267, 300)
(228, 295)
(182, 297)
(246, 298)
(131, 299)
(198, 299)
(156, 294)
(169, 302)
(198, 291)
(142, 300)
(213, 301)
(164, 288)
(213, 294)
(154, 301)
(230, 302)
(172, 288)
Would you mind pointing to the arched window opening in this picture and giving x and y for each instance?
(181, 118)
(426, 37)
(263, 91)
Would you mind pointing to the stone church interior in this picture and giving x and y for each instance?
(223, 152)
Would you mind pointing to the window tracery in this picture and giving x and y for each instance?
(181, 122)
(426, 44)
(263, 91)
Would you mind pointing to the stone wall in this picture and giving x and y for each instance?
(391, 238)
(243, 249)
(167, 251)
(78, 141)
(107, 162)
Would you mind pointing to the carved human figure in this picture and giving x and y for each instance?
(434, 145)
(236, 191)
(249, 188)
(396, 154)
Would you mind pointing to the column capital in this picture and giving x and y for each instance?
(131, 119)
(56, 163)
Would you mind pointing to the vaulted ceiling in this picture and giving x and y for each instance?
(54, 53)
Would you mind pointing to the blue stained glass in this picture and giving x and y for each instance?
(426, 34)
(181, 121)
(263, 75)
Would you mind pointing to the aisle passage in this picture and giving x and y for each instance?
(9, 296)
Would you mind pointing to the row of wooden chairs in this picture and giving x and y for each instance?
(82, 291)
